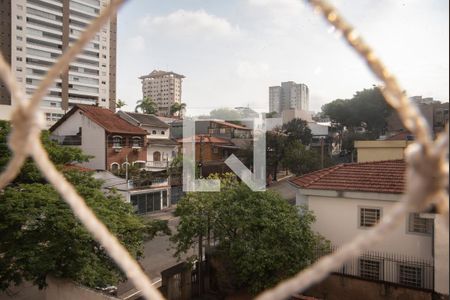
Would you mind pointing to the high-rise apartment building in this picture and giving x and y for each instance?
(164, 88)
(34, 33)
(289, 95)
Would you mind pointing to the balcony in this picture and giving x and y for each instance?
(157, 164)
(67, 140)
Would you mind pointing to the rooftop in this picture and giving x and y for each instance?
(147, 120)
(160, 73)
(104, 118)
(207, 139)
(376, 177)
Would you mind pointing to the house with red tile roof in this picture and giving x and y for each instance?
(111, 141)
(349, 199)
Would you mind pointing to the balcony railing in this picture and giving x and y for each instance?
(67, 140)
(157, 164)
(395, 269)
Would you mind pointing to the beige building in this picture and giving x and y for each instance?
(349, 199)
(289, 95)
(34, 33)
(164, 88)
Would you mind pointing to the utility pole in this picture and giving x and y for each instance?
(322, 152)
(126, 168)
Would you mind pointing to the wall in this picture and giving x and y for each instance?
(166, 152)
(126, 153)
(92, 141)
(158, 134)
(380, 150)
(337, 287)
(441, 242)
(337, 220)
(66, 290)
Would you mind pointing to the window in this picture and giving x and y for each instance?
(163, 132)
(416, 224)
(117, 142)
(215, 150)
(154, 132)
(19, 58)
(410, 275)
(156, 156)
(136, 142)
(115, 167)
(369, 217)
(369, 269)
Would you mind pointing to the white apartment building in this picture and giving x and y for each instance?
(289, 95)
(37, 33)
(164, 88)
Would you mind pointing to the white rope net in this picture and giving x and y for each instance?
(427, 172)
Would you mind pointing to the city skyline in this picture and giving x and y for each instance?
(231, 53)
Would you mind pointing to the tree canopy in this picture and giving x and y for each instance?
(367, 108)
(260, 238)
(40, 236)
(298, 130)
(177, 108)
(146, 106)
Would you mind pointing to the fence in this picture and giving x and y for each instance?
(427, 173)
(396, 269)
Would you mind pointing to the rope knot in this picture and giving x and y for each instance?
(26, 128)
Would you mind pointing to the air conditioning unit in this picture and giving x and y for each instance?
(117, 149)
(137, 149)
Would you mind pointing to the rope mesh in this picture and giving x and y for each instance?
(427, 160)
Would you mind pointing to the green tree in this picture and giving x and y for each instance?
(367, 108)
(300, 161)
(298, 130)
(271, 115)
(40, 236)
(146, 106)
(276, 143)
(177, 109)
(225, 114)
(260, 238)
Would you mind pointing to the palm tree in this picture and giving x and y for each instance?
(120, 104)
(146, 106)
(177, 108)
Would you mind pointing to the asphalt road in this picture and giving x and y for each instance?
(158, 255)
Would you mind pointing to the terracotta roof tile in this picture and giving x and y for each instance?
(378, 177)
(207, 139)
(109, 120)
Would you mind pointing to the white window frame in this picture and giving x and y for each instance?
(138, 139)
(114, 143)
(413, 228)
(360, 217)
(114, 164)
(418, 271)
(369, 276)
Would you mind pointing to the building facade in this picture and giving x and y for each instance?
(161, 149)
(356, 197)
(34, 33)
(112, 142)
(289, 95)
(164, 88)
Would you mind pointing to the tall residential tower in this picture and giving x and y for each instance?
(164, 88)
(34, 33)
(289, 95)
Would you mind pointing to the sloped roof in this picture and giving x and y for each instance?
(164, 142)
(207, 139)
(377, 177)
(148, 120)
(402, 136)
(105, 118)
(232, 125)
(160, 73)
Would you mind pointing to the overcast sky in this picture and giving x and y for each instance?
(232, 51)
